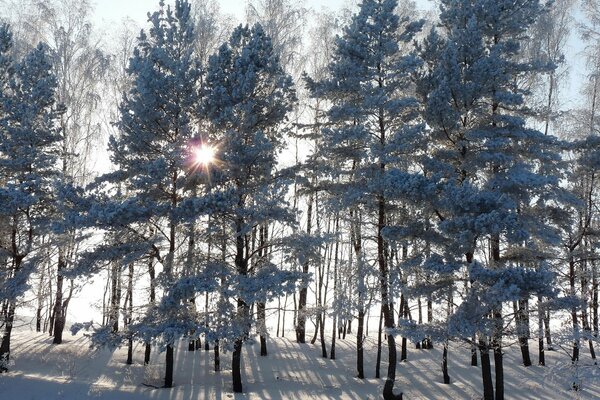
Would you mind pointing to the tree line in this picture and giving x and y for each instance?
(423, 169)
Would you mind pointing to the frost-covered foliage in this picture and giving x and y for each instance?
(488, 184)
(143, 204)
(247, 97)
(372, 124)
(29, 148)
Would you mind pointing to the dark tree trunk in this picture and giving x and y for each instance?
(278, 316)
(169, 366)
(147, 352)
(152, 275)
(427, 342)
(359, 345)
(333, 336)
(486, 370)
(59, 315)
(379, 343)
(130, 351)
(301, 317)
(260, 306)
(403, 349)
(388, 387)
(206, 344)
(217, 357)
(445, 363)
(129, 318)
(38, 319)
(115, 297)
(241, 263)
(522, 322)
(40, 300)
(498, 356)
(285, 301)
(236, 366)
(541, 355)
(473, 351)
(168, 271)
(322, 336)
(388, 315)
(575, 354)
(8, 314)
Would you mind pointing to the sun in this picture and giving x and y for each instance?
(204, 155)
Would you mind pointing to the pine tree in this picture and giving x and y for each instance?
(371, 115)
(152, 152)
(490, 180)
(247, 99)
(29, 149)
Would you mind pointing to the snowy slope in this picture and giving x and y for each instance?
(72, 371)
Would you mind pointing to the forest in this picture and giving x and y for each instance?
(382, 180)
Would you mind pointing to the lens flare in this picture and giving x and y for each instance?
(204, 155)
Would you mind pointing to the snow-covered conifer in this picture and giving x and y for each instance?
(490, 180)
(29, 149)
(152, 153)
(372, 120)
(247, 99)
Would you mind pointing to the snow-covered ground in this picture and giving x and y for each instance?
(291, 371)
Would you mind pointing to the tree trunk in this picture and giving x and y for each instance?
(261, 314)
(575, 354)
(378, 360)
(522, 322)
(301, 317)
(486, 370)
(241, 264)
(541, 355)
(217, 357)
(445, 363)
(206, 344)
(115, 297)
(388, 316)
(498, 356)
(549, 345)
(59, 317)
(169, 366)
(129, 318)
(403, 349)
(8, 315)
(322, 336)
(261, 306)
(152, 275)
(359, 345)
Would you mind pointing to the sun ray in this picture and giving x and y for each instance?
(204, 155)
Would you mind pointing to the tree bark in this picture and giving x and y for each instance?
(59, 315)
(541, 354)
(301, 316)
(445, 363)
(241, 264)
(8, 314)
(379, 342)
(486, 370)
(129, 318)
